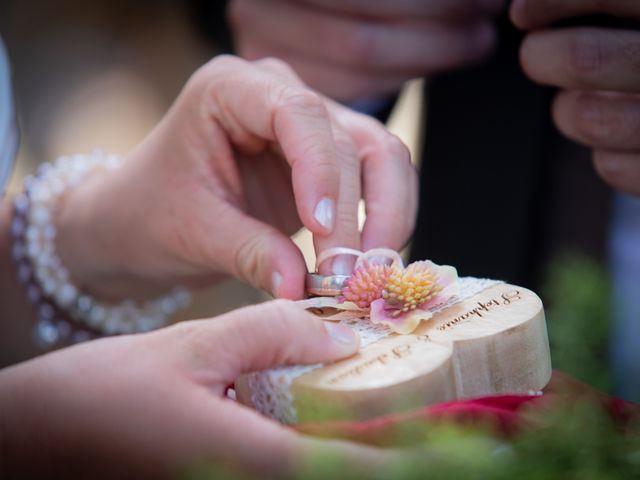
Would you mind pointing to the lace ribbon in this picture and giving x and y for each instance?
(271, 389)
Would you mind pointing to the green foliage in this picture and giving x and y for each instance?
(577, 303)
(576, 443)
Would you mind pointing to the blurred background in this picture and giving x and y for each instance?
(100, 74)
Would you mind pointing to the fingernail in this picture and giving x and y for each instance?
(340, 333)
(276, 281)
(324, 213)
(342, 265)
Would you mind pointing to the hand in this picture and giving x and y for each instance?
(149, 405)
(597, 72)
(245, 156)
(363, 48)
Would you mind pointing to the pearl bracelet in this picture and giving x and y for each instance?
(47, 281)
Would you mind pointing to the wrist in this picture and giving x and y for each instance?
(85, 240)
(98, 239)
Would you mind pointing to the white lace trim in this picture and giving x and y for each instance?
(271, 389)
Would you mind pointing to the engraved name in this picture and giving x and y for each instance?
(396, 353)
(401, 351)
(483, 308)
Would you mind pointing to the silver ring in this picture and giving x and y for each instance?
(325, 285)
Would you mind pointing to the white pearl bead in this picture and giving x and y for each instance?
(96, 316)
(46, 333)
(39, 233)
(39, 216)
(65, 295)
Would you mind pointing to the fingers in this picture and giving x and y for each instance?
(391, 199)
(253, 105)
(390, 192)
(339, 82)
(600, 120)
(609, 123)
(584, 58)
(531, 14)
(621, 170)
(263, 336)
(413, 47)
(442, 9)
(260, 255)
(390, 183)
(590, 64)
(346, 232)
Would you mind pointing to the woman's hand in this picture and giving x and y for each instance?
(246, 155)
(148, 405)
(362, 48)
(597, 72)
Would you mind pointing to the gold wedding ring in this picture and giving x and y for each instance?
(325, 285)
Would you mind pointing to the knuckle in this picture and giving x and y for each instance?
(222, 65)
(283, 317)
(358, 44)
(592, 123)
(276, 65)
(345, 146)
(586, 55)
(278, 312)
(396, 148)
(301, 100)
(247, 259)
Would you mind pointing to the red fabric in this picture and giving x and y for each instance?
(505, 413)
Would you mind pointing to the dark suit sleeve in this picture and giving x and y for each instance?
(209, 17)
(501, 191)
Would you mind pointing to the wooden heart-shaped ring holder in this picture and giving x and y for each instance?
(492, 343)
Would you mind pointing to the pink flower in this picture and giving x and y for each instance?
(366, 284)
(410, 292)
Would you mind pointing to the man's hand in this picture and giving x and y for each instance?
(598, 72)
(362, 48)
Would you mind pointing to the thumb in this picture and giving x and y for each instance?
(260, 255)
(263, 336)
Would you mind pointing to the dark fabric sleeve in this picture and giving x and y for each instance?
(501, 190)
(209, 16)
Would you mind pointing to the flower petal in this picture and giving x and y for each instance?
(447, 275)
(403, 324)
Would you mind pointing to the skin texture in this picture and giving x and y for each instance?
(597, 72)
(237, 165)
(356, 49)
(154, 405)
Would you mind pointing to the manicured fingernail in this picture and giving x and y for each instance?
(276, 281)
(340, 333)
(324, 213)
(342, 265)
